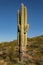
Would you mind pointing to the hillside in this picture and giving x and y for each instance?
(9, 52)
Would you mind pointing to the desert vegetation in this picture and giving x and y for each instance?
(9, 53)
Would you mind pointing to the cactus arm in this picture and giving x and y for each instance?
(26, 28)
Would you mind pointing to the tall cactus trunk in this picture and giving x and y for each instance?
(25, 33)
(22, 31)
(19, 36)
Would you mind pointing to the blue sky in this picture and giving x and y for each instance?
(8, 18)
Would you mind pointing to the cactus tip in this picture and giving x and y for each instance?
(22, 4)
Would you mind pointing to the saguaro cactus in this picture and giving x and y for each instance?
(22, 31)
